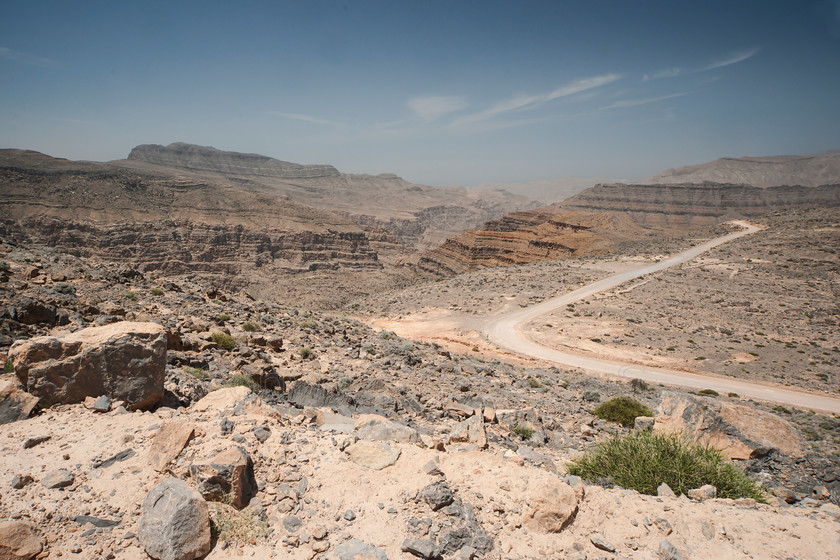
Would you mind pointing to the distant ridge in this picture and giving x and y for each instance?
(206, 158)
(769, 171)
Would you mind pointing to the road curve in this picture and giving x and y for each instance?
(507, 331)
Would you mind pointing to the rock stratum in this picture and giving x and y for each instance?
(699, 205)
(242, 219)
(770, 171)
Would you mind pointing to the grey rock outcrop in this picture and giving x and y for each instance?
(124, 360)
(175, 523)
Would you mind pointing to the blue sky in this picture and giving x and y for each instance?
(442, 93)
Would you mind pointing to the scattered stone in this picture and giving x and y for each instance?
(262, 433)
(15, 404)
(422, 548)
(175, 523)
(707, 529)
(784, 494)
(121, 456)
(32, 442)
(20, 481)
(664, 526)
(61, 478)
(169, 441)
(374, 455)
(229, 475)
(664, 490)
(549, 506)
(668, 551)
(437, 495)
(470, 430)
(102, 404)
(705, 492)
(125, 360)
(292, 523)
(355, 549)
(457, 409)
(319, 533)
(19, 540)
(830, 509)
(349, 515)
(431, 468)
(377, 428)
(644, 423)
(226, 426)
(600, 542)
(95, 521)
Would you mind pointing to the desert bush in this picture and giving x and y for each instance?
(156, 292)
(4, 266)
(130, 295)
(533, 383)
(591, 396)
(198, 373)
(639, 385)
(222, 317)
(623, 410)
(643, 460)
(524, 432)
(306, 353)
(242, 380)
(309, 325)
(229, 525)
(708, 393)
(223, 340)
(8, 367)
(250, 326)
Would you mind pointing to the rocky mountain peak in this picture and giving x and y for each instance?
(206, 158)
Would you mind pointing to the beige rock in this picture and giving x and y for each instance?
(229, 475)
(169, 441)
(470, 430)
(549, 506)
(374, 455)
(378, 428)
(19, 540)
(222, 399)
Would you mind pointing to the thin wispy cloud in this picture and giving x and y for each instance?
(733, 58)
(306, 118)
(526, 102)
(645, 101)
(26, 58)
(432, 107)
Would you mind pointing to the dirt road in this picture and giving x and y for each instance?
(508, 332)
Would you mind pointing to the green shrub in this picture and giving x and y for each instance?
(223, 340)
(524, 432)
(533, 383)
(309, 325)
(130, 295)
(639, 385)
(250, 326)
(4, 266)
(198, 373)
(591, 396)
(781, 409)
(734, 395)
(8, 367)
(643, 460)
(623, 410)
(306, 353)
(708, 392)
(241, 380)
(222, 317)
(156, 292)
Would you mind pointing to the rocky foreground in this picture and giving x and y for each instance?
(151, 417)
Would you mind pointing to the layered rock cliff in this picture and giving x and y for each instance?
(771, 171)
(698, 205)
(530, 236)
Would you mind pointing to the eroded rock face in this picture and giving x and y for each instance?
(175, 524)
(125, 360)
(19, 540)
(737, 431)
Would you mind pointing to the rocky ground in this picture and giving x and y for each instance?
(363, 442)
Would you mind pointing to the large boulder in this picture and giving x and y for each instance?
(229, 476)
(15, 404)
(550, 505)
(736, 430)
(19, 540)
(175, 523)
(125, 360)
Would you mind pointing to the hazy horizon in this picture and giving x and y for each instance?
(444, 93)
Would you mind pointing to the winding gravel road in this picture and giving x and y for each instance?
(507, 331)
